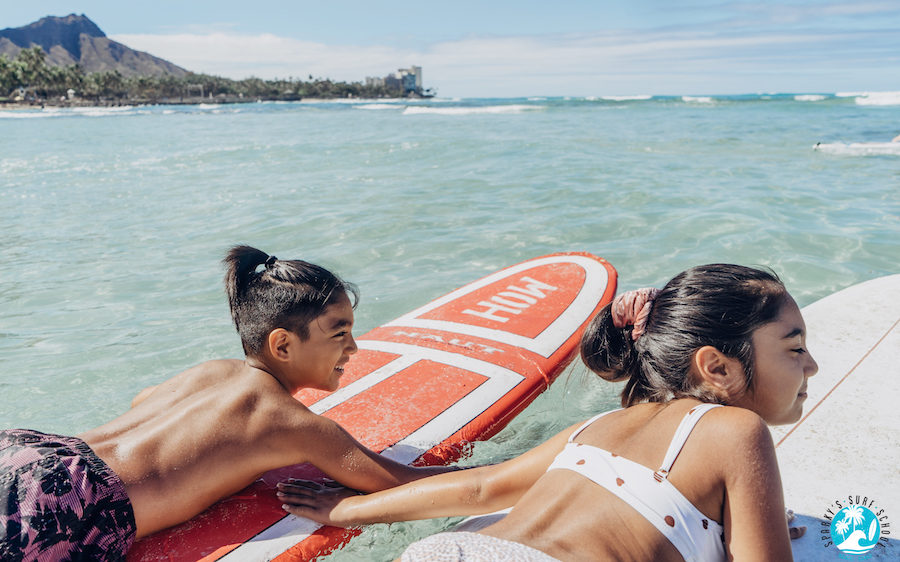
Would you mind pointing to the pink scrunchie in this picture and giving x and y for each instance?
(632, 309)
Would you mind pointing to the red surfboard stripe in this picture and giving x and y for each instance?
(407, 401)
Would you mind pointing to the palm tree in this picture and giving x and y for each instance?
(854, 514)
(842, 527)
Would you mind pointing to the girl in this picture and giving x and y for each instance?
(685, 471)
(201, 435)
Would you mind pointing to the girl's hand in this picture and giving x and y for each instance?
(321, 503)
(794, 532)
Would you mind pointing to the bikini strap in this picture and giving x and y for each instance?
(681, 434)
(589, 422)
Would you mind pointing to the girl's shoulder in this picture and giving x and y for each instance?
(739, 437)
(735, 422)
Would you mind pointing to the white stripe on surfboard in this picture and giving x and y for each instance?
(548, 341)
(291, 530)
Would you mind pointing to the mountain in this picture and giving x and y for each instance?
(77, 40)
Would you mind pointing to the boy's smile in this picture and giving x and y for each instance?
(320, 359)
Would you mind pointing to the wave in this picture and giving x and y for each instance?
(488, 109)
(860, 148)
(24, 114)
(377, 106)
(878, 98)
(809, 97)
(50, 112)
(626, 98)
(697, 99)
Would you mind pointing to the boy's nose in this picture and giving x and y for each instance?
(351, 347)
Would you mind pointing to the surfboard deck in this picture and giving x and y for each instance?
(845, 445)
(418, 390)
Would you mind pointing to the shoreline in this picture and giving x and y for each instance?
(193, 100)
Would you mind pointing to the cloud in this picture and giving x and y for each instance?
(552, 64)
(266, 55)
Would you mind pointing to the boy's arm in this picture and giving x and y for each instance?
(466, 492)
(340, 456)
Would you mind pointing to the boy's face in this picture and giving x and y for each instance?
(320, 359)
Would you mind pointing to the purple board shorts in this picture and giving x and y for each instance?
(60, 501)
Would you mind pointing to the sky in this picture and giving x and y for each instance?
(504, 48)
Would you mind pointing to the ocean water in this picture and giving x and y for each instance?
(114, 222)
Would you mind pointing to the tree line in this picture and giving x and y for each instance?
(30, 77)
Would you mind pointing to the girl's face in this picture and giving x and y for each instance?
(781, 366)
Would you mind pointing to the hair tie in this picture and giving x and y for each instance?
(271, 261)
(632, 308)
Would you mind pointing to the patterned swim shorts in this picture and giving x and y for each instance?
(60, 501)
(463, 546)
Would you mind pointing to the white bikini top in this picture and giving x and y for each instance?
(649, 492)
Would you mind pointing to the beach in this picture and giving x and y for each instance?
(116, 219)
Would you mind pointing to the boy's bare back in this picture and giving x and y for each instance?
(201, 436)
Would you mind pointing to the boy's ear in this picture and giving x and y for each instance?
(278, 344)
(722, 374)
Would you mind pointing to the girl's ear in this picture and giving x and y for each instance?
(278, 344)
(723, 375)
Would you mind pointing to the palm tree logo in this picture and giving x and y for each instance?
(855, 530)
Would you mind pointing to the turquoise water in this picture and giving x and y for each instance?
(114, 221)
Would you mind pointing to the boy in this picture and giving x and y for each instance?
(202, 435)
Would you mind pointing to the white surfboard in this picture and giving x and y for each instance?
(843, 452)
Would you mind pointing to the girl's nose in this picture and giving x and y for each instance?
(812, 368)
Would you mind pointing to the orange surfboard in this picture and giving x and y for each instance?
(419, 389)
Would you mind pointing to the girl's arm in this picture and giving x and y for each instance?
(467, 492)
(753, 512)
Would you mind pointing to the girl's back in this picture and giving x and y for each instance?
(559, 515)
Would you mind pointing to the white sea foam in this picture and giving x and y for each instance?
(809, 97)
(102, 111)
(377, 106)
(488, 109)
(860, 148)
(48, 112)
(626, 98)
(879, 98)
(697, 99)
(24, 114)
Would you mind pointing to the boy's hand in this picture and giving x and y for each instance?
(321, 503)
